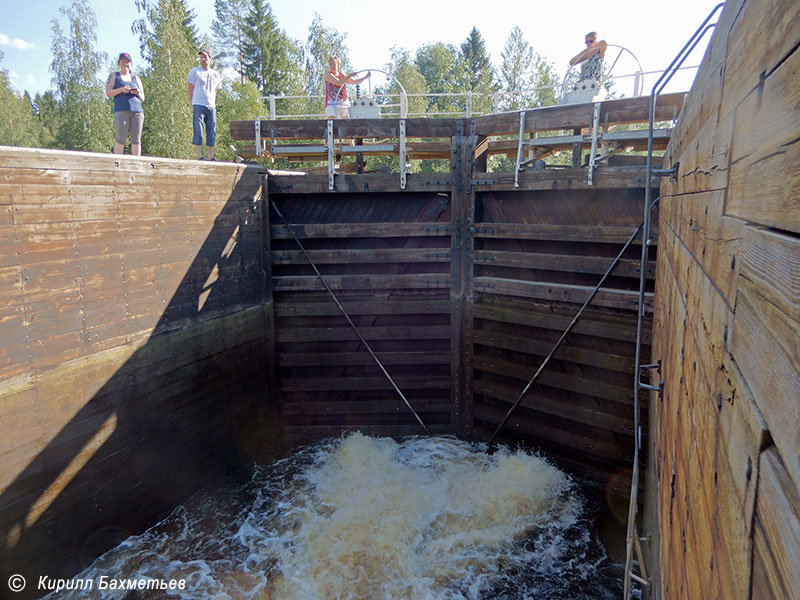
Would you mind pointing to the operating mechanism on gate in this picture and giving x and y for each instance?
(589, 80)
(368, 106)
(365, 107)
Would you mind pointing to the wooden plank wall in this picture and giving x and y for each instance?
(133, 342)
(389, 259)
(464, 281)
(724, 462)
(462, 314)
(537, 256)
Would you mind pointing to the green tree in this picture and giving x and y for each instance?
(48, 113)
(527, 79)
(477, 63)
(403, 69)
(440, 65)
(271, 59)
(228, 29)
(166, 34)
(18, 123)
(85, 114)
(322, 43)
(144, 27)
(237, 102)
(477, 72)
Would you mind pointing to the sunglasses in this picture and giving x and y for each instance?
(590, 42)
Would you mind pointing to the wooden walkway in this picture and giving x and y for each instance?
(308, 140)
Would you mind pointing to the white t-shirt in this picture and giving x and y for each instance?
(206, 83)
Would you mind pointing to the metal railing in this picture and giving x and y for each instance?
(461, 104)
(633, 538)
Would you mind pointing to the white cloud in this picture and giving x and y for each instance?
(17, 43)
(13, 75)
(30, 79)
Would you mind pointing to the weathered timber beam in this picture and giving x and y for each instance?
(608, 234)
(614, 391)
(315, 152)
(354, 230)
(576, 294)
(366, 183)
(545, 319)
(573, 409)
(532, 426)
(482, 146)
(359, 307)
(378, 255)
(509, 147)
(300, 433)
(324, 384)
(349, 128)
(327, 359)
(542, 119)
(637, 110)
(360, 407)
(561, 179)
(559, 262)
(536, 347)
(571, 116)
(344, 333)
(626, 110)
(363, 282)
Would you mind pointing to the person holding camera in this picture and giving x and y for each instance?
(128, 93)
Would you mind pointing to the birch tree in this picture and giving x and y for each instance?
(86, 121)
(168, 38)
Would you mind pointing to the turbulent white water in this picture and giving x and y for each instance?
(367, 518)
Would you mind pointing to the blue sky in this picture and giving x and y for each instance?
(555, 29)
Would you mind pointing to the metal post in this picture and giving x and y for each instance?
(469, 105)
(637, 84)
(329, 140)
(520, 143)
(272, 112)
(595, 127)
(403, 154)
(258, 148)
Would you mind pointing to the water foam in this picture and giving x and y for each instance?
(372, 518)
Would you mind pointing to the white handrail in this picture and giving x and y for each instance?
(495, 98)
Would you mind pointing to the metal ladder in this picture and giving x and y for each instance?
(633, 538)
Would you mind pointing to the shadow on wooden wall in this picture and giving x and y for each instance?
(134, 366)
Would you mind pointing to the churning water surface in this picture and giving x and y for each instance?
(372, 518)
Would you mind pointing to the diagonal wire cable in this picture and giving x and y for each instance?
(347, 316)
(557, 345)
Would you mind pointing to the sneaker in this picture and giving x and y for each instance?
(202, 158)
(214, 159)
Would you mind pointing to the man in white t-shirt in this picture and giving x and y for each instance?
(202, 87)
